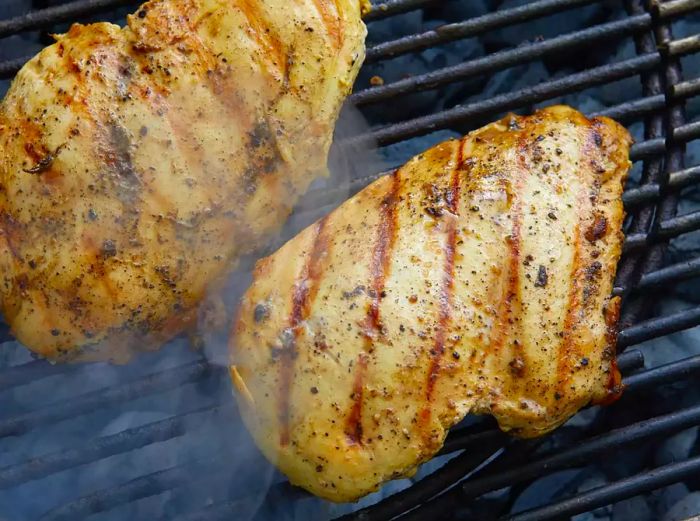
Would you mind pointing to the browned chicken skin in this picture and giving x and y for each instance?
(139, 163)
(474, 279)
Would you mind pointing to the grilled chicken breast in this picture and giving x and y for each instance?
(475, 279)
(138, 163)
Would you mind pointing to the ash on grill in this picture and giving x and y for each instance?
(160, 438)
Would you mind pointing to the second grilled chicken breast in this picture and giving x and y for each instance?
(476, 278)
(137, 164)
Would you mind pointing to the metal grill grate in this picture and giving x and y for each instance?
(487, 460)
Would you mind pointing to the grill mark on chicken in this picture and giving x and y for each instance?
(12, 231)
(303, 296)
(569, 345)
(447, 289)
(219, 79)
(331, 21)
(511, 290)
(564, 353)
(270, 44)
(379, 269)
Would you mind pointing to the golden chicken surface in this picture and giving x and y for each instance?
(137, 164)
(474, 279)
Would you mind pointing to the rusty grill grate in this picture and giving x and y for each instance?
(487, 460)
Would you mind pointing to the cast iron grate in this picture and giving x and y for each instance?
(487, 460)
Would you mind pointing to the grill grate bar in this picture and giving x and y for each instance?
(9, 68)
(485, 444)
(642, 482)
(672, 7)
(653, 170)
(177, 426)
(161, 481)
(668, 229)
(650, 192)
(633, 110)
(104, 447)
(686, 89)
(141, 487)
(668, 275)
(186, 422)
(151, 384)
(582, 452)
(460, 114)
(489, 22)
(664, 374)
(31, 372)
(49, 16)
(43, 18)
(468, 28)
(659, 326)
(503, 60)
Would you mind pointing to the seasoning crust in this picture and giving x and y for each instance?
(474, 279)
(139, 163)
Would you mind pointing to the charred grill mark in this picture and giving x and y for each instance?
(13, 232)
(118, 153)
(354, 420)
(511, 292)
(447, 290)
(568, 345)
(220, 82)
(381, 257)
(331, 21)
(568, 350)
(115, 146)
(223, 86)
(303, 297)
(272, 47)
(514, 246)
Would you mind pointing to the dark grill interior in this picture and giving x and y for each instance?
(98, 441)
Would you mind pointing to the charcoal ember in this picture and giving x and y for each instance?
(515, 78)
(669, 348)
(546, 489)
(684, 509)
(635, 508)
(594, 480)
(505, 82)
(394, 27)
(676, 448)
(682, 249)
(665, 498)
(546, 27)
(625, 89)
(409, 65)
(391, 71)
(590, 516)
(453, 54)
